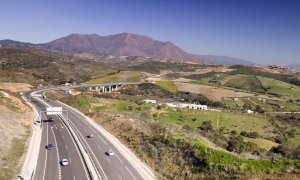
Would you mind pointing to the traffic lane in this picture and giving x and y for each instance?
(76, 168)
(75, 158)
(52, 166)
(113, 167)
(119, 166)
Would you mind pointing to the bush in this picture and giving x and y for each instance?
(206, 126)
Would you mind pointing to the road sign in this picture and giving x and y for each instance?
(53, 110)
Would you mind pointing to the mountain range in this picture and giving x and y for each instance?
(126, 44)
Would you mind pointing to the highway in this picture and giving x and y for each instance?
(108, 167)
(48, 165)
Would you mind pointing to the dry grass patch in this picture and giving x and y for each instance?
(213, 93)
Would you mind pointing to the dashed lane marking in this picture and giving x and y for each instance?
(108, 160)
(119, 158)
(130, 172)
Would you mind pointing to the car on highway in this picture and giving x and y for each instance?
(51, 119)
(64, 162)
(110, 152)
(91, 135)
(49, 146)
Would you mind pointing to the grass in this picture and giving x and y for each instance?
(230, 103)
(281, 88)
(231, 121)
(10, 166)
(123, 76)
(245, 82)
(167, 85)
(262, 143)
(217, 158)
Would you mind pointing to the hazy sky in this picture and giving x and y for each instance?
(262, 31)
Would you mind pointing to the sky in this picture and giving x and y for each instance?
(261, 31)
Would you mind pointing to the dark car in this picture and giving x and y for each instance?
(49, 146)
(51, 119)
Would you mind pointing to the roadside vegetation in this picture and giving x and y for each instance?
(191, 144)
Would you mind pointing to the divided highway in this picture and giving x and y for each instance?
(108, 167)
(64, 147)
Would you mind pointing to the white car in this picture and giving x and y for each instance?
(110, 152)
(64, 162)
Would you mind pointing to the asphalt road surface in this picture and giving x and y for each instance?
(48, 167)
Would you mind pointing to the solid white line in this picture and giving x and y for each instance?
(120, 177)
(46, 156)
(119, 158)
(74, 177)
(130, 172)
(70, 160)
(57, 154)
(66, 147)
(63, 137)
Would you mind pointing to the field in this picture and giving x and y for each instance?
(281, 88)
(122, 76)
(213, 93)
(262, 143)
(167, 85)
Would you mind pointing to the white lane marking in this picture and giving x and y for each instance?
(92, 129)
(120, 177)
(74, 177)
(92, 153)
(77, 151)
(66, 147)
(130, 172)
(61, 126)
(63, 137)
(108, 160)
(57, 154)
(70, 160)
(119, 158)
(46, 156)
(99, 147)
(102, 140)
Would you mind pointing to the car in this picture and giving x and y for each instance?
(64, 162)
(51, 119)
(91, 135)
(110, 152)
(49, 146)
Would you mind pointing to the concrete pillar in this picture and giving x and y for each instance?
(109, 89)
(90, 88)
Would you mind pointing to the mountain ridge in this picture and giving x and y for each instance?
(127, 44)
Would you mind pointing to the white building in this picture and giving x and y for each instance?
(189, 106)
(149, 101)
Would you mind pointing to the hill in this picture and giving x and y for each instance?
(125, 44)
(224, 60)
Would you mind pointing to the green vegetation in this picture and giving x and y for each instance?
(167, 85)
(250, 83)
(280, 88)
(262, 143)
(122, 76)
(221, 159)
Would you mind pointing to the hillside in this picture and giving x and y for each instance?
(125, 44)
